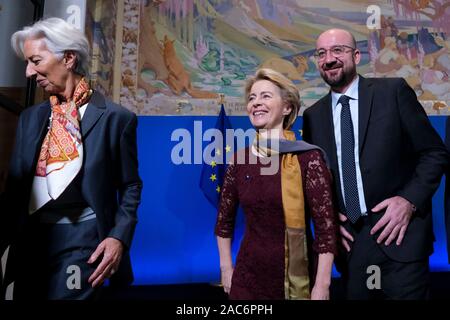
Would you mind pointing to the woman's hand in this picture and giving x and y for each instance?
(321, 289)
(226, 275)
(320, 292)
(110, 251)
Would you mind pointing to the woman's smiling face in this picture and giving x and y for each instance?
(265, 106)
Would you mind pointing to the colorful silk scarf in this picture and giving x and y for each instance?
(296, 257)
(61, 155)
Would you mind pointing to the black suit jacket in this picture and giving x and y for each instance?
(447, 188)
(400, 154)
(110, 182)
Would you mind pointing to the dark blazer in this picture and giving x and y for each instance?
(447, 188)
(110, 182)
(400, 154)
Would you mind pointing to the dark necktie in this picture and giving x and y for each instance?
(352, 208)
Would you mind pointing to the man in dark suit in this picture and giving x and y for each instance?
(387, 162)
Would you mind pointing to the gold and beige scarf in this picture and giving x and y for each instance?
(296, 256)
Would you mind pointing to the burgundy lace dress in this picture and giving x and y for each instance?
(260, 267)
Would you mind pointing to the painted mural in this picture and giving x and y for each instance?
(101, 32)
(178, 56)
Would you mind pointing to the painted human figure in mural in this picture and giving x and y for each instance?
(435, 83)
(387, 162)
(388, 29)
(443, 55)
(390, 62)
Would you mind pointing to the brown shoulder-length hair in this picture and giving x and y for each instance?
(289, 92)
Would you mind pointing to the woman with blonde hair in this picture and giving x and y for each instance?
(276, 256)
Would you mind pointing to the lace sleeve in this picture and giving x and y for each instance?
(319, 198)
(228, 204)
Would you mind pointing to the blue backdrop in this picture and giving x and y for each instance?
(174, 240)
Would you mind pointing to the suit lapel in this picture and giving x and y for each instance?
(328, 131)
(42, 122)
(94, 111)
(329, 143)
(365, 93)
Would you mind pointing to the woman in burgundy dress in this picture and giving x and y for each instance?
(279, 182)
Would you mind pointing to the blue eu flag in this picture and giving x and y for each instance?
(212, 173)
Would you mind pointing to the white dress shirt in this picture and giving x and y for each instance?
(351, 92)
(82, 110)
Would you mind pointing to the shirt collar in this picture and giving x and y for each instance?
(352, 92)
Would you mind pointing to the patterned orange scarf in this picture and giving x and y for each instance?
(61, 156)
(63, 136)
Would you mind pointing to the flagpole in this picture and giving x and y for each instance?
(221, 99)
(218, 284)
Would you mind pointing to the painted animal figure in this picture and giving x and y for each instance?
(179, 79)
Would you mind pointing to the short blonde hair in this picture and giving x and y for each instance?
(289, 92)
